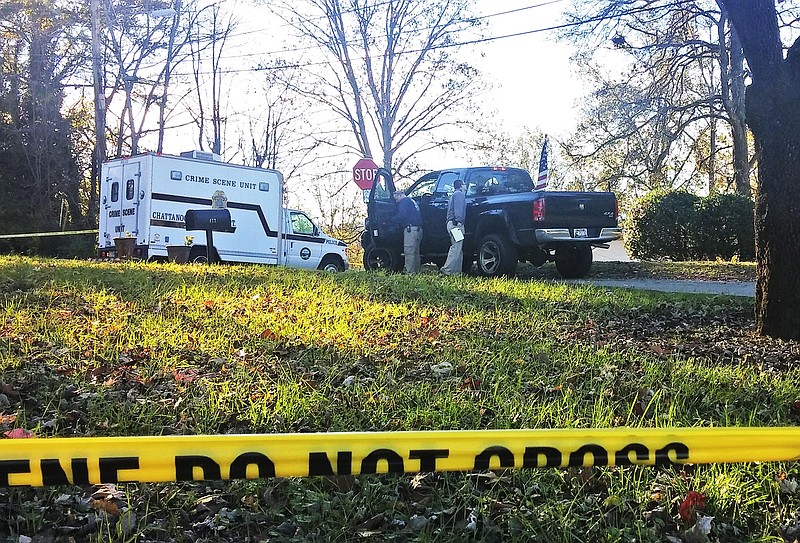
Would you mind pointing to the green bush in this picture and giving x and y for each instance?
(661, 226)
(679, 226)
(726, 227)
(76, 246)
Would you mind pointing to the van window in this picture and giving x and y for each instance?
(115, 191)
(301, 224)
(129, 189)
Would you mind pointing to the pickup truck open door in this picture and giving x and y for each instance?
(382, 238)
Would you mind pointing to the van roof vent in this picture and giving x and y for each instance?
(202, 155)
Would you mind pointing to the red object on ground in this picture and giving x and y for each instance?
(693, 501)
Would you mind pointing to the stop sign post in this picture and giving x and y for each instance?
(364, 173)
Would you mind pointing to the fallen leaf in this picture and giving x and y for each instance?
(699, 532)
(185, 375)
(19, 433)
(378, 522)
(643, 399)
(443, 369)
(9, 390)
(786, 485)
(658, 349)
(471, 383)
(106, 497)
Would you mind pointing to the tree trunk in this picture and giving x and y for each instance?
(736, 111)
(741, 156)
(732, 72)
(772, 112)
(712, 158)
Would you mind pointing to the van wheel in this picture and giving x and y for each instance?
(331, 264)
(381, 258)
(199, 255)
(574, 261)
(496, 256)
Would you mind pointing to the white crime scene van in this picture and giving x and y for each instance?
(146, 197)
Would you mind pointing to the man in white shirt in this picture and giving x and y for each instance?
(456, 213)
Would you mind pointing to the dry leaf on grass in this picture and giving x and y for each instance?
(19, 433)
(106, 497)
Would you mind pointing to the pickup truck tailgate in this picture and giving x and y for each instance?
(580, 209)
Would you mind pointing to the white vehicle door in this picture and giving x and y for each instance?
(121, 204)
(303, 242)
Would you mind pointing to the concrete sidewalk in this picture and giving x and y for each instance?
(617, 253)
(731, 288)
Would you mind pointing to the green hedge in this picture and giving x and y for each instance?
(677, 225)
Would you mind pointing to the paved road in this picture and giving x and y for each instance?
(732, 288)
(615, 253)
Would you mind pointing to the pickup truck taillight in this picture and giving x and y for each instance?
(538, 210)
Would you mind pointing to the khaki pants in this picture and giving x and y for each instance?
(455, 256)
(411, 240)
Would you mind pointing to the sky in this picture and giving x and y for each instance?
(530, 70)
(532, 81)
(537, 87)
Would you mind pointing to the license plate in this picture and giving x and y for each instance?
(581, 233)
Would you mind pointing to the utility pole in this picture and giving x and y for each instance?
(99, 104)
(162, 107)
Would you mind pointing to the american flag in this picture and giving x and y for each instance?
(541, 181)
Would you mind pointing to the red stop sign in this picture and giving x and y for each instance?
(364, 173)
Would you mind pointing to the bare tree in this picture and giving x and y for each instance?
(144, 45)
(389, 71)
(278, 137)
(341, 212)
(685, 76)
(207, 51)
(732, 78)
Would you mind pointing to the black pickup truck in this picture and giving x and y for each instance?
(507, 222)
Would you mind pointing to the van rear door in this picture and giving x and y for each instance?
(123, 195)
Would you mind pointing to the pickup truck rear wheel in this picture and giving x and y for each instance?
(496, 256)
(381, 258)
(574, 261)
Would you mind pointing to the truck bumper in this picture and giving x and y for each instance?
(554, 235)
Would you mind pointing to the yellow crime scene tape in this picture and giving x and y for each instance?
(48, 234)
(91, 460)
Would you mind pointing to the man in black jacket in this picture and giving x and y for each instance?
(410, 220)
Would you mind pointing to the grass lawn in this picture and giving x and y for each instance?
(129, 349)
